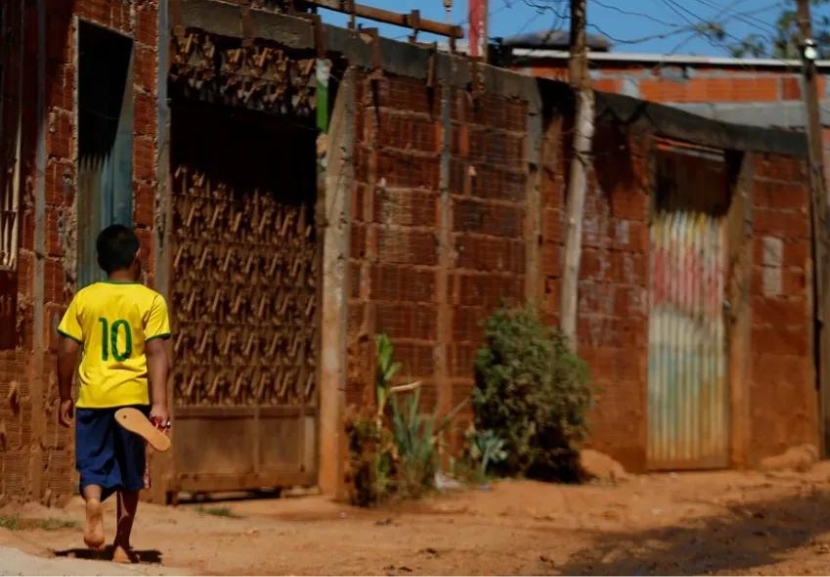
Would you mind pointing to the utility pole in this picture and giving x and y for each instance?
(580, 165)
(478, 29)
(819, 216)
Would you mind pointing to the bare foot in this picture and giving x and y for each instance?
(123, 555)
(94, 529)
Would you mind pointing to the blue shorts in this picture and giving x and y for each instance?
(106, 454)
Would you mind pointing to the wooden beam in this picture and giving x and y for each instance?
(411, 20)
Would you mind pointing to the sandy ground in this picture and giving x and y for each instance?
(714, 523)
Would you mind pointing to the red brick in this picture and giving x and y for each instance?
(781, 341)
(406, 132)
(552, 260)
(400, 246)
(703, 89)
(485, 218)
(780, 224)
(144, 204)
(595, 265)
(629, 205)
(489, 290)
(797, 253)
(463, 359)
(779, 168)
(553, 226)
(144, 159)
(468, 324)
(405, 94)
(144, 66)
(59, 135)
(395, 283)
(406, 207)
(781, 196)
(146, 30)
(407, 170)
(770, 369)
(404, 321)
(489, 254)
(358, 241)
(607, 85)
(416, 360)
(780, 312)
(145, 114)
(495, 183)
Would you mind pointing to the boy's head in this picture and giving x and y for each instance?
(118, 248)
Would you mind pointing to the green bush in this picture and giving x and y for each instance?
(533, 393)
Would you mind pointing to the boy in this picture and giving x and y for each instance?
(120, 326)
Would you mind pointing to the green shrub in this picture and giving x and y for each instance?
(533, 393)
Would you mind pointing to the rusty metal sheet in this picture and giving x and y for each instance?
(8, 309)
(687, 381)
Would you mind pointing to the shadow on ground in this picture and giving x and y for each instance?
(746, 538)
(142, 556)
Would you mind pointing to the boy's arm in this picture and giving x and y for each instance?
(158, 368)
(67, 361)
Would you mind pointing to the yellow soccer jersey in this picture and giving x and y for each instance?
(113, 321)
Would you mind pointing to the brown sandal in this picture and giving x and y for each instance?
(134, 421)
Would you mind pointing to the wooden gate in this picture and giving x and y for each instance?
(687, 377)
(244, 301)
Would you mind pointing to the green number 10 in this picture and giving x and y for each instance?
(108, 337)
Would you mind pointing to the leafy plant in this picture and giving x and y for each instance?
(392, 454)
(533, 393)
(487, 447)
(416, 439)
(385, 373)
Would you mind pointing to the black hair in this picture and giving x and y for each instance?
(117, 246)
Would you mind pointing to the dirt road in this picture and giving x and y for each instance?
(718, 523)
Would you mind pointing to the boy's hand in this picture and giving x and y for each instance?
(160, 416)
(65, 414)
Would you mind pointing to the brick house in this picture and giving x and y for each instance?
(299, 188)
(754, 91)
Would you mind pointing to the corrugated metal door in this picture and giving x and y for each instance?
(105, 137)
(687, 388)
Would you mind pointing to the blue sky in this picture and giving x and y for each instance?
(650, 26)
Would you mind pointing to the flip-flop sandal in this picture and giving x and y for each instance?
(134, 421)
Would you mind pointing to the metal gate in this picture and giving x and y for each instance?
(687, 376)
(244, 302)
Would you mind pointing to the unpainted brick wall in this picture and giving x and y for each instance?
(783, 400)
(137, 19)
(397, 267)
(488, 190)
(613, 304)
(394, 244)
(688, 82)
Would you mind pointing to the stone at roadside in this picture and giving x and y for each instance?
(800, 459)
(599, 466)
